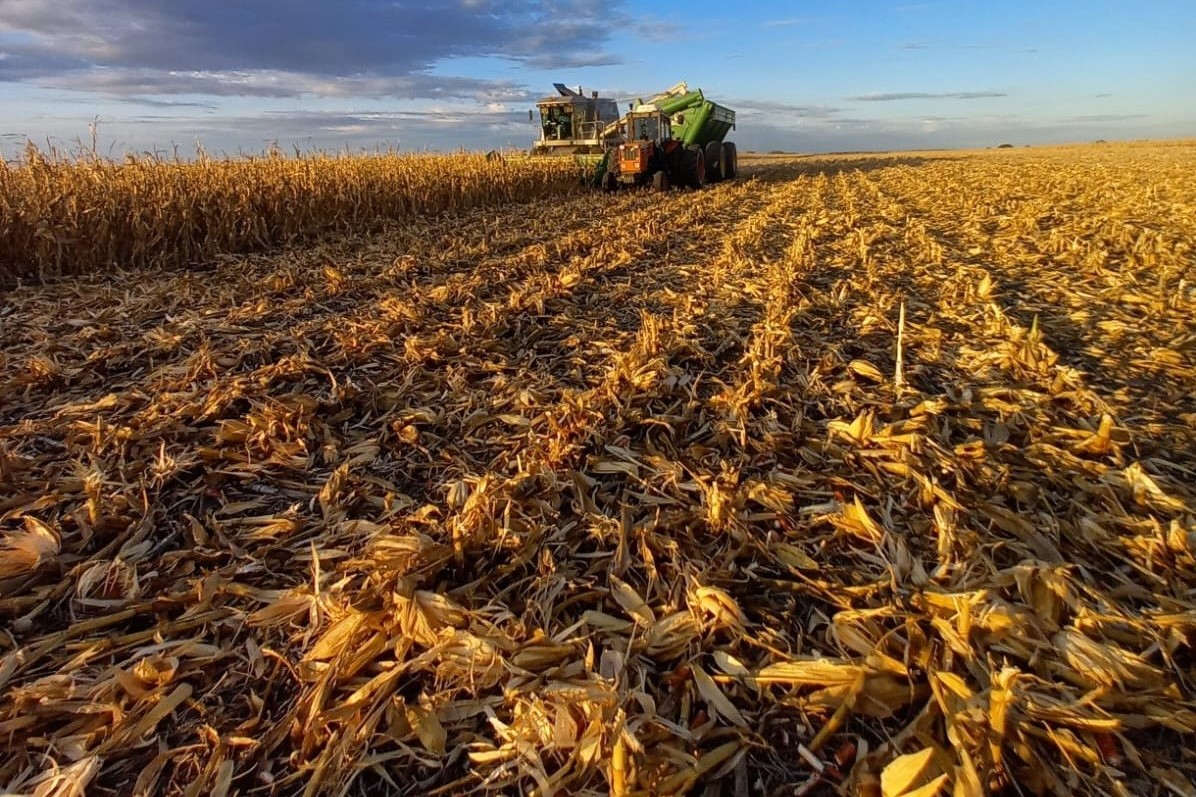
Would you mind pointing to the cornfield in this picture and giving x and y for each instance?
(863, 475)
(78, 216)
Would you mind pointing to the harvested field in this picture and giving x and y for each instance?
(868, 473)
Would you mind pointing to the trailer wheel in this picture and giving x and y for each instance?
(660, 181)
(693, 168)
(730, 161)
(716, 168)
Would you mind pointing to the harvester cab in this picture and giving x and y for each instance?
(573, 124)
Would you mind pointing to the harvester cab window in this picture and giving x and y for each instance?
(558, 122)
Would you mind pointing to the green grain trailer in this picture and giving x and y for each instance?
(699, 122)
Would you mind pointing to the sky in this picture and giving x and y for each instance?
(812, 76)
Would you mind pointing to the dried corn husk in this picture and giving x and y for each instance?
(506, 500)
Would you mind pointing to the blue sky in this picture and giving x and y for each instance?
(442, 74)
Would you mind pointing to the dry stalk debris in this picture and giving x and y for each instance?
(619, 495)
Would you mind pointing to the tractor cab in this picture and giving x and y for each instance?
(649, 125)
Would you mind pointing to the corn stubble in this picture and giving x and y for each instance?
(517, 501)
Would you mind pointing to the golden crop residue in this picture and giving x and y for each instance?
(622, 494)
(89, 215)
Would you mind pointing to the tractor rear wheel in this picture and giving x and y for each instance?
(715, 162)
(730, 161)
(660, 181)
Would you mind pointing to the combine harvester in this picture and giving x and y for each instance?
(676, 138)
(574, 124)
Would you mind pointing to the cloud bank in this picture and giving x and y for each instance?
(290, 48)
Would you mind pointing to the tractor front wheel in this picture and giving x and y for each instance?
(660, 181)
